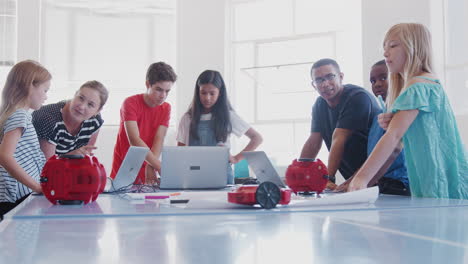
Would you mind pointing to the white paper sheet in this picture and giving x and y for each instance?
(368, 195)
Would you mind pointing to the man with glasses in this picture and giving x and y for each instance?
(342, 117)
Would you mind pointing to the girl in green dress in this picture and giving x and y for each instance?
(421, 118)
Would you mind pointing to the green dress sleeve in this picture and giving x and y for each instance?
(424, 97)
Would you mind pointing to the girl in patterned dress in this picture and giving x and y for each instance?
(21, 158)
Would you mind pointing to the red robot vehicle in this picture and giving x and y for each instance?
(267, 195)
(72, 179)
(307, 176)
(304, 176)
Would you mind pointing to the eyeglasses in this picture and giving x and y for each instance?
(320, 80)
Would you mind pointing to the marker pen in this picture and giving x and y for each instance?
(157, 196)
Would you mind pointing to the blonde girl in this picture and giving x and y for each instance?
(21, 158)
(421, 117)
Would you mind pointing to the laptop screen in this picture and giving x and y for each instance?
(262, 167)
(130, 167)
(194, 167)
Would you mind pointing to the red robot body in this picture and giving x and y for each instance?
(72, 178)
(307, 175)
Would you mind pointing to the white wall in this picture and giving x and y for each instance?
(29, 30)
(379, 16)
(105, 146)
(200, 44)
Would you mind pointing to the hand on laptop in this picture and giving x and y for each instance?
(151, 175)
(235, 159)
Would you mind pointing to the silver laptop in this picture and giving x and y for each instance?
(129, 168)
(194, 167)
(262, 167)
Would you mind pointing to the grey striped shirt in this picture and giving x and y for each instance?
(28, 155)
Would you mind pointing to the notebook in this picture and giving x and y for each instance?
(262, 167)
(194, 167)
(129, 168)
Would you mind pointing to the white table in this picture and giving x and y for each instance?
(112, 230)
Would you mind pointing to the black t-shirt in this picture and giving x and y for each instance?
(355, 111)
(49, 125)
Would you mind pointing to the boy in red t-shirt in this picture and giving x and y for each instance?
(144, 119)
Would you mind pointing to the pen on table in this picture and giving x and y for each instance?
(157, 196)
(174, 194)
(179, 201)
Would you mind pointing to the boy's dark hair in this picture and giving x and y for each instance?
(323, 62)
(380, 62)
(160, 72)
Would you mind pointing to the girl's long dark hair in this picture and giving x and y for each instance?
(220, 111)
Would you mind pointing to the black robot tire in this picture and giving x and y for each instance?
(268, 195)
